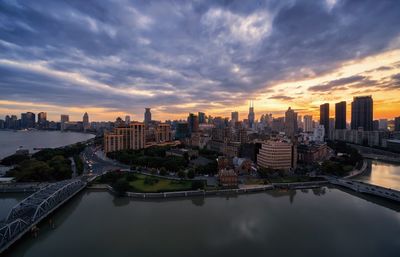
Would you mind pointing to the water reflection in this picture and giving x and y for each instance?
(100, 224)
(382, 174)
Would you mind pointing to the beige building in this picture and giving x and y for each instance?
(279, 155)
(123, 138)
(163, 133)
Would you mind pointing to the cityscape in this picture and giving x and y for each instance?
(217, 128)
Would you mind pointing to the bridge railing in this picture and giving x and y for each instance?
(35, 207)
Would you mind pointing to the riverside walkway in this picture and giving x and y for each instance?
(24, 216)
(363, 187)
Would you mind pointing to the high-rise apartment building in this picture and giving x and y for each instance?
(340, 115)
(182, 131)
(42, 120)
(324, 117)
(147, 116)
(193, 123)
(234, 117)
(308, 123)
(362, 113)
(124, 138)
(290, 122)
(127, 119)
(202, 117)
(64, 119)
(163, 133)
(278, 155)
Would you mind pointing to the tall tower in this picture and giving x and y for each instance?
(362, 113)
(340, 115)
(85, 120)
(324, 117)
(251, 115)
(147, 116)
(234, 117)
(290, 122)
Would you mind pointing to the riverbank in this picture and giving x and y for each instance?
(190, 193)
(12, 140)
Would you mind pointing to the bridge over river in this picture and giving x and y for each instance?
(24, 216)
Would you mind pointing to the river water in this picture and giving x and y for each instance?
(321, 222)
(382, 174)
(11, 140)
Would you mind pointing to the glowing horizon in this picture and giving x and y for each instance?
(197, 57)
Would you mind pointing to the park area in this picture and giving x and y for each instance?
(144, 183)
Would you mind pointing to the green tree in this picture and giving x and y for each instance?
(191, 174)
(163, 171)
(121, 186)
(181, 174)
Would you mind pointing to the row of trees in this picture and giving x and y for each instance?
(341, 165)
(47, 164)
(152, 157)
(57, 168)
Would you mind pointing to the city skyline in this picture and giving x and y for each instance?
(230, 53)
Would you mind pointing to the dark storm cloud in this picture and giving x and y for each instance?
(182, 52)
(337, 83)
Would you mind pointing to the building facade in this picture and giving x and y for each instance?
(277, 155)
(126, 137)
(340, 115)
(324, 117)
(362, 113)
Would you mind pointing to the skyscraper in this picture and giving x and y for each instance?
(42, 119)
(85, 121)
(324, 117)
(290, 122)
(127, 119)
(397, 124)
(193, 123)
(362, 113)
(340, 115)
(251, 116)
(234, 117)
(64, 119)
(147, 116)
(383, 124)
(308, 123)
(202, 117)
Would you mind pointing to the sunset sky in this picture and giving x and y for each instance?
(113, 58)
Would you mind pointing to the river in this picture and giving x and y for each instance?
(382, 174)
(11, 140)
(321, 222)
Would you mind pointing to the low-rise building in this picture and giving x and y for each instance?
(228, 178)
(314, 152)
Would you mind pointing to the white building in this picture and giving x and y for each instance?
(319, 133)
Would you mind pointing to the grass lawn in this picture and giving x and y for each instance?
(148, 184)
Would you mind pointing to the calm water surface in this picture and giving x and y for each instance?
(321, 222)
(8, 200)
(11, 140)
(383, 174)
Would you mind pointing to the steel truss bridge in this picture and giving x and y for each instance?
(30, 211)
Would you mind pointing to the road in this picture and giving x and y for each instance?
(96, 163)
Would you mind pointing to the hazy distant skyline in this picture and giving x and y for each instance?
(112, 58)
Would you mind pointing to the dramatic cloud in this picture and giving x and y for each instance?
(337, 83)
(181, 56)
(281, 97)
